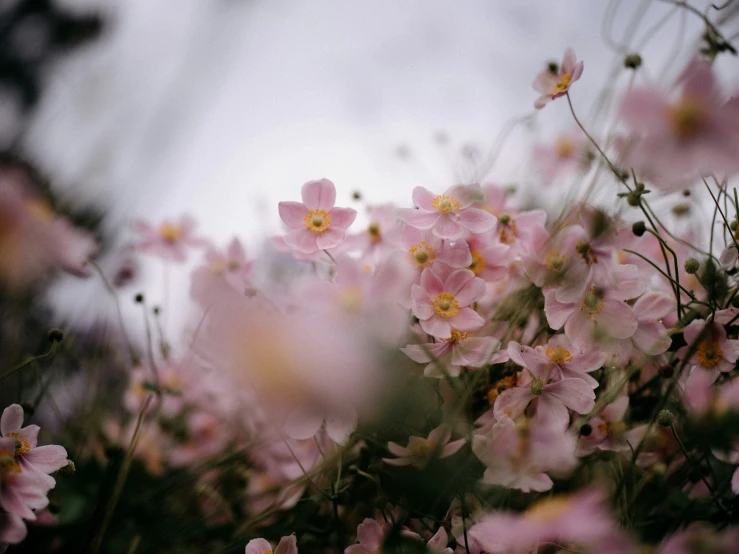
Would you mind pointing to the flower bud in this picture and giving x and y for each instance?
(665, 418)
(639, 228)
(68, 469)
(56, 335)
(692, 266)
(632, 61)
(585, 430)
(356, 195)
(139, 298)
(633, 199)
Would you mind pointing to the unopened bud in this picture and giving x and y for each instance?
(639, 228)
(633, 199)
(632, 61)
(665, 418)
(585, 430)
(56, 335)
(139, 298)
(356, 195)
(692, 266)
(553, 67)
(68, 469)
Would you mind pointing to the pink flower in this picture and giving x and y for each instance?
(370, 535)
(490, 259)
(316, 223)
(304, 422)
(708, 347)
(519, 457)
(422, 249)
(20, 492)
(651, 336)
(438, 543)
(450, 355)
(569, 152)
(231, 266)
(699, 536)
(581, 519)
(12, 530)
(288, 545)
(553, 84)
(35, 461)
(443, 306)
(678, 139)
(380, 237)
(552, 399)
(558, 360)
(169, 241)
(599, 312)
(449, 215)
(518, 229)
(420, 451)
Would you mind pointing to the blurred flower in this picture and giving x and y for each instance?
(169, 241)
(370, 535)
(569, 152)
(288, 545)
(420, 451)
(708, 347)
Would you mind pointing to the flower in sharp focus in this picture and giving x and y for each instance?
(316, 224)
(449, 215)
(444, 305)
(420, 451)
(553, 84)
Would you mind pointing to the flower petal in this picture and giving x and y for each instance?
(319, 195)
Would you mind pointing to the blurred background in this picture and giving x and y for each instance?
(223, 108)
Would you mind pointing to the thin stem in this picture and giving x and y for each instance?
(30, 361)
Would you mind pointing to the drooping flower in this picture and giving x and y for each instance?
(555, 82)
(170, 240)
(449, 215)
(420, 451)
(288, 545)
(316, 224)
(442, 306)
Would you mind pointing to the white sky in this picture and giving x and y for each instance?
(222, 108)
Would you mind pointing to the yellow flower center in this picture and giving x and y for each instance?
(317, 220)
(445, 204)
(592, 304)
(457, 336)
(558, 355)
(170, 232)
(478, 262)
(613, 429)
(21, 444)
(9, 468)
(555, 261)
(267, 552)
(503, 385)
(422, 448)
(421, 255)
(565, 147)
(446, 305)
(686, 118)
(709, 353)
(549, 509)
(562, 84)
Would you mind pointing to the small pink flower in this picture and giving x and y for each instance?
(444, 305)
(449, 215)
(518, 229)
(20, 492)
(491, 259)
(598, 312)
(169, 241)
(230, 265)
(552, 399)
(449, 356)
(423, 249)
(438, 543)
(288, 545)
(708, 347)
(607, 429)
(553, 84)
(316, 223)
(420, 451)
(35, 461)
